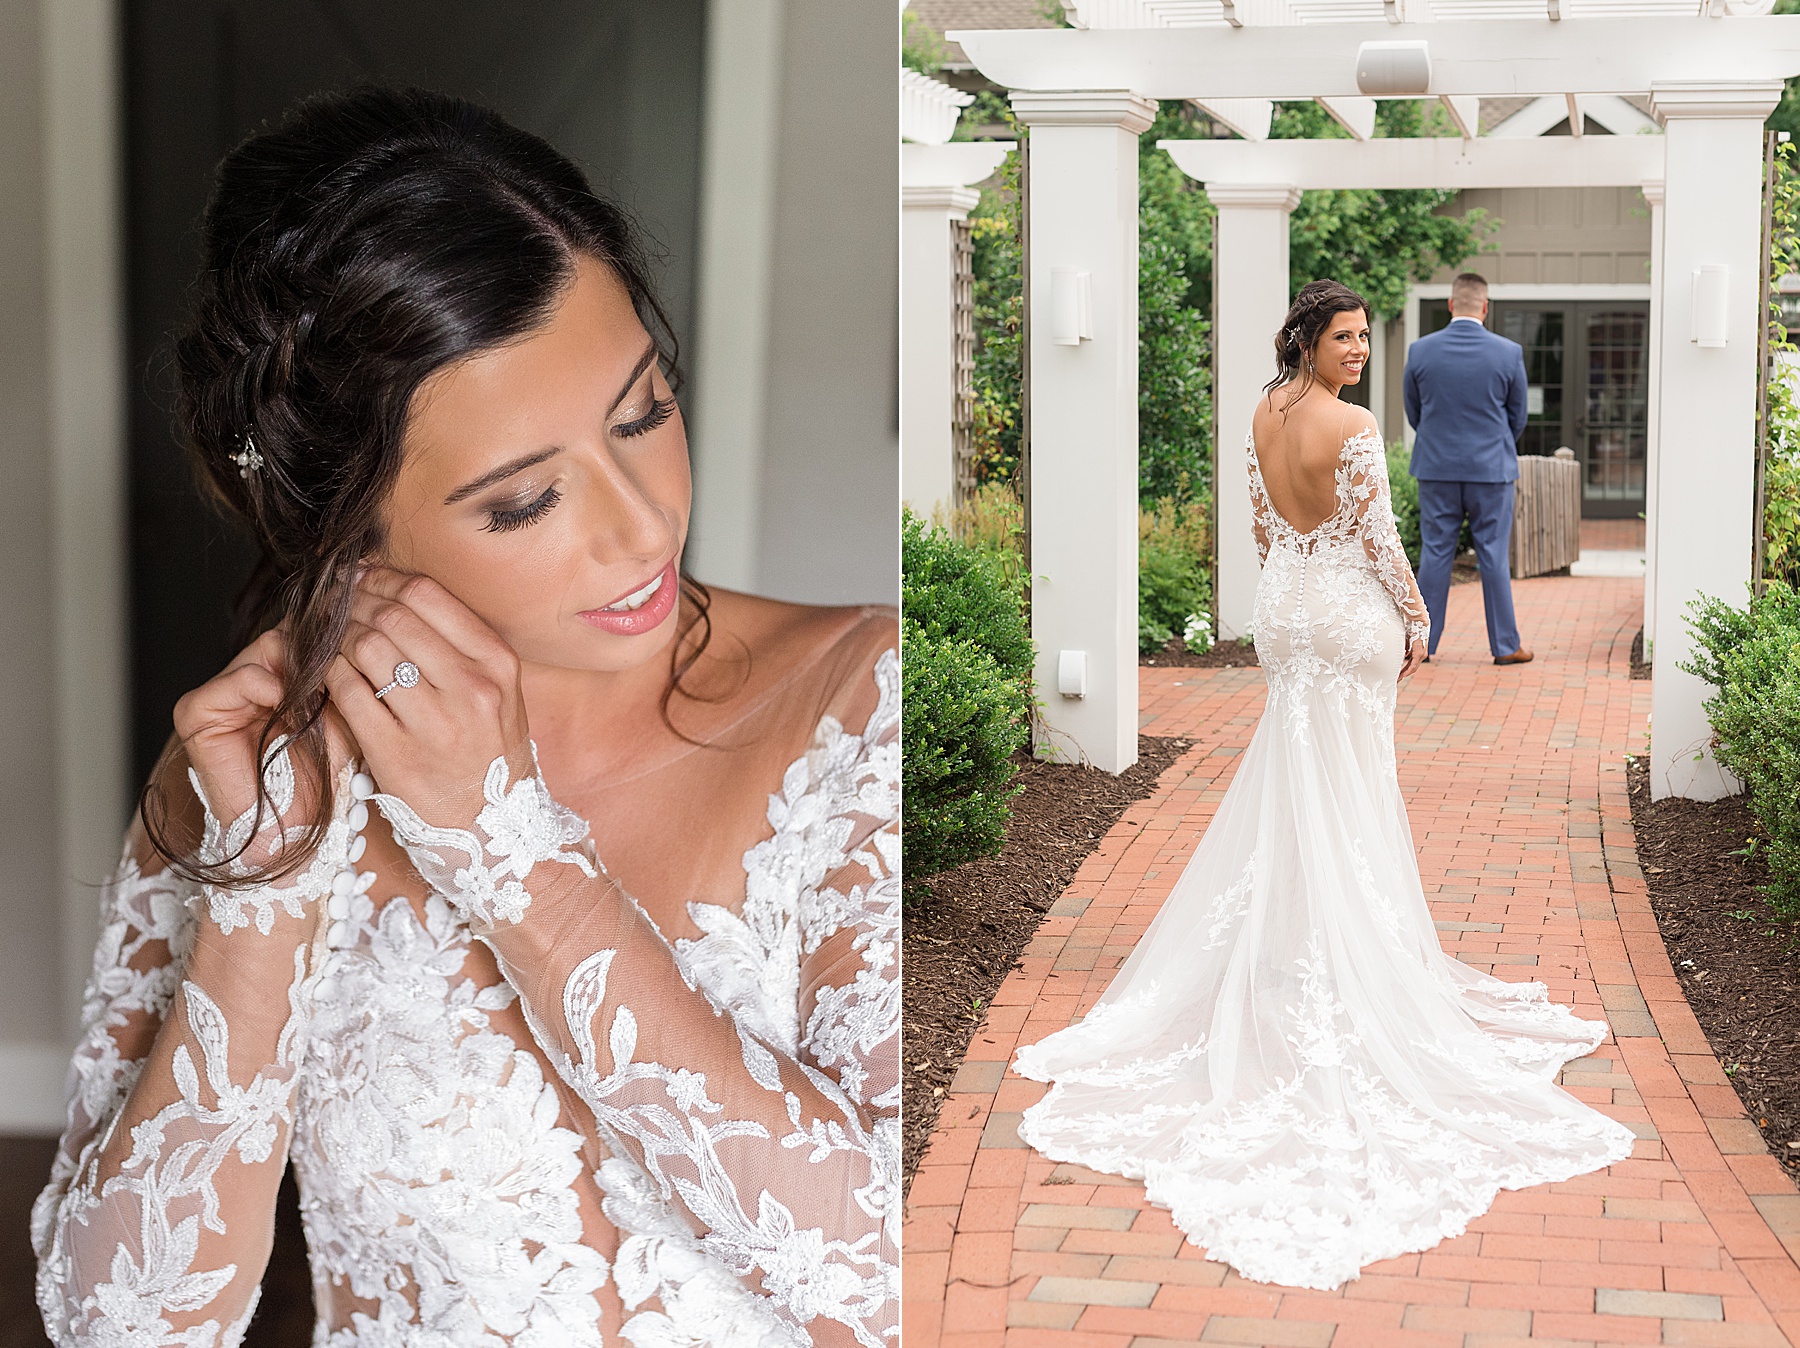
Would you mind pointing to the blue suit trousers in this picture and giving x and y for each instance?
(1488, 506)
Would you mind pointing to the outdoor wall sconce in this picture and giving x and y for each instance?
(1393, 69)
(1711, 281)
(1071, 673)
(1071, 306)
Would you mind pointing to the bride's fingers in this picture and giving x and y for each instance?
(440, 611)
(370, 721)
(269, 650)
(229, 700)
(377, 655)
(412, 633)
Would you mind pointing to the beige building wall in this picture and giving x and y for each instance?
(1561, 235)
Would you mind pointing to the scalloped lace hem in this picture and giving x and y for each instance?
(1261, 1257)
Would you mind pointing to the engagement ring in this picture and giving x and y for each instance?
(406, 675)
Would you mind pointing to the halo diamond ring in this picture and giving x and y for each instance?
(406, 675)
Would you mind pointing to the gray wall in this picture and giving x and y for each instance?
(831, 456)
(29, 828)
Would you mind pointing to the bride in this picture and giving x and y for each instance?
(1288, 1059)
(537, 903)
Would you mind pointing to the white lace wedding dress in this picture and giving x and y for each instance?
(518, 1114)
(1288, 1059)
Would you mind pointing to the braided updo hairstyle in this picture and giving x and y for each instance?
(364, 242)
(1307, 319)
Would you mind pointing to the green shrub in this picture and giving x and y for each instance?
(1752, 657)
(1175, 573)
(992, 521)
(966, 663)
(962, 719)
(1404, 488)
(955, 592)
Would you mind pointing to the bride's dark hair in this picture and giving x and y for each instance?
(364, 242)
(1307, 318)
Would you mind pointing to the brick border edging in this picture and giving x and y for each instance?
(1741, 1190)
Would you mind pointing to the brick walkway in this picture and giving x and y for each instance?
(1515, 785)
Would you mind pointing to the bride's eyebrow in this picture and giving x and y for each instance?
(643, 363)
(501, 473)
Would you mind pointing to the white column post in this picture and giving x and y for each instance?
(1250, 298)
(1409, 321)
(1083, 348)
(1653, 197)
(1706, 398)
(1375, 377)
(934, 191)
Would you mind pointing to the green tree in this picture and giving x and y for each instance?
(1786, 116)
(1781, 469)
(1377, 241)
(994, 228)
(1175, 240)
(922, 47)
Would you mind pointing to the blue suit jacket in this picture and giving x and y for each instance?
(1465, 396)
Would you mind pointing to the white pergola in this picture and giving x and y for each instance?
(1087, 94)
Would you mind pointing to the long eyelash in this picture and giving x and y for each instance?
(659, 412)
(500, 521)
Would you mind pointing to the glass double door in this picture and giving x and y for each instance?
(1586, 367)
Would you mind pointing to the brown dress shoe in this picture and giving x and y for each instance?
(1518, 657)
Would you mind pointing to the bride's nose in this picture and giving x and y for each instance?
(627, 520)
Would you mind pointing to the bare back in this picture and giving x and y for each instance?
(1298, 453)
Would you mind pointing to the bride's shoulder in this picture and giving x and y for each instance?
(1361, 433)
(835, 659)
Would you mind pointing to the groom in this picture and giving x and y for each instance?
(1465, 396)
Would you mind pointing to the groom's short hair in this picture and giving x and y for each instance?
(1468, 292)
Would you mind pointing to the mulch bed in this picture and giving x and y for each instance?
(1225, 655)
(1737, 959)
(1639, 670)
(965, 928)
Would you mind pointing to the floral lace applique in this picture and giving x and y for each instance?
(438, 1179)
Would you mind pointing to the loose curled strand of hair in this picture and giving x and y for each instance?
(1298, 337)
(364, 242)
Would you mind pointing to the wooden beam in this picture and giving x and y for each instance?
(1487, 58)
(1355, 115)
(1425, 162)
(1465, 111)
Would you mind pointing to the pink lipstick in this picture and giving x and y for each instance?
(640, 610)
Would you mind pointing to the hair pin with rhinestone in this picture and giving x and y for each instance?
(248, 459)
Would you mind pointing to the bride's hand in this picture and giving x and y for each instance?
(1415, 656)
(220, 723)
(429, 744)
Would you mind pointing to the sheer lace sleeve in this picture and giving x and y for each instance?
(1365, 470)
(1260, 508)
(742, 1087)
(157, 1221)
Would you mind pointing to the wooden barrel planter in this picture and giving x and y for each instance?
(1546, 533)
